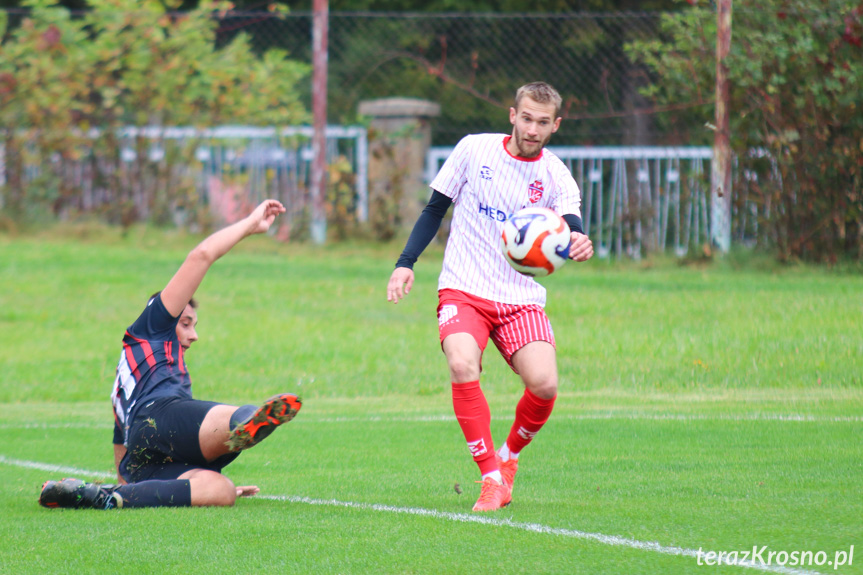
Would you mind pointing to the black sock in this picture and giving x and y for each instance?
(157, 493)
(220, 463)
(242, 414)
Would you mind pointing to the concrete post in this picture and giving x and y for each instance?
(399, 137)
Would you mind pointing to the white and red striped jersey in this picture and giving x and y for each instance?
(487, 185)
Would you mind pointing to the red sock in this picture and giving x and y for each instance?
(531, 413)
(474, 417)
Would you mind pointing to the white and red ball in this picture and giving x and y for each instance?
(535, 241)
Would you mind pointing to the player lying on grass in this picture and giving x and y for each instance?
(487, 178)
(170, 449)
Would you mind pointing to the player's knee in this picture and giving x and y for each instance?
(212, 489)
(463, 369)
(544, 389)
(226, 496)
(547, 392)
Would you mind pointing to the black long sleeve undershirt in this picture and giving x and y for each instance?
(429, 223)
(574, 223)
(425, 229)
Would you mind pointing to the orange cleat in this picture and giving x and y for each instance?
(277, 410)
(508, 469)
(493, 495)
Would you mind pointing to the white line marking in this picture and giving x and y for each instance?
(533, 527)
(56, 426)
(613, 540)
(728, 417)
(780, 417)
(609, 416)
(61, 469)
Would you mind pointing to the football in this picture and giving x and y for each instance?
(535, 241)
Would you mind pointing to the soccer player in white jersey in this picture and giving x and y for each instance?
(487, 178)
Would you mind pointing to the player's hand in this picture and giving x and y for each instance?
(400, 284)
(581, 248)
(262, 218)
(247, 490)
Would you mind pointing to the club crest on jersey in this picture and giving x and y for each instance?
(535, 191)
(485, 173)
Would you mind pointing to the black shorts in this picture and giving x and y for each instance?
(164, 442)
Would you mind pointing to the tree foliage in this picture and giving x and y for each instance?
(796, 75)
(538, 6)
(70, 80)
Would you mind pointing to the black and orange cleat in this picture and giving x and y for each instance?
(76, 494)
(277, 410)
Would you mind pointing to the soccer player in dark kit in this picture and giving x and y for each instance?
(170, 449)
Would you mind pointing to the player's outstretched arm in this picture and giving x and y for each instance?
(401, 281)
(185, 282)
(581, 248)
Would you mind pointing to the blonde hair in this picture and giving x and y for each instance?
(541, 93)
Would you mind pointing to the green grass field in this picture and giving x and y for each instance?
(711, 408)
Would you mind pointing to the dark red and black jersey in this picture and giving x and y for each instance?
(151, 366)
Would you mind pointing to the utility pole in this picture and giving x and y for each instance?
(720, 228)
(320, 32)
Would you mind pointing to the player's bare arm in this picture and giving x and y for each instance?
(401, 281)
(581, 248)
(185, 282)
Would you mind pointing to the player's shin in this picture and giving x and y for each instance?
(531, 413)
(474, 417)
(157, 493)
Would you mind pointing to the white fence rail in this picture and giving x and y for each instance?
(635, 199)
(273, 162)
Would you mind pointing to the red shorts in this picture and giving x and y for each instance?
(510, 327)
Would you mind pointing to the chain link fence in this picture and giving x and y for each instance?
(471, 65)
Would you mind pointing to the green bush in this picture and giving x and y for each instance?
(796, 75)
(69, 81)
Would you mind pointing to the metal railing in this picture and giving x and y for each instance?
(269, 162)
(634, 199)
